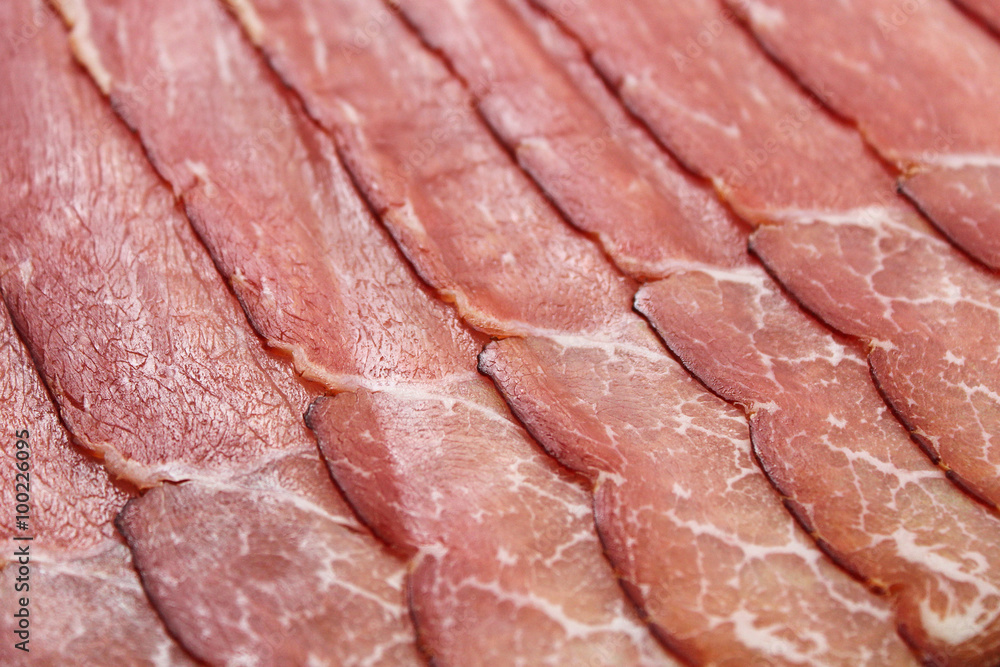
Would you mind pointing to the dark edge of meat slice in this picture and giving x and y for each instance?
(909, 196)
(926, 448)
(914, 436)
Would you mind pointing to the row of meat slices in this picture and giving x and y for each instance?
(562, 415)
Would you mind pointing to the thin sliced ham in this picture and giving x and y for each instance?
(849, 469)
(918, 80)
(832, 229)
(77, 566)
(499, 536)
(574, 356)
(153, 368)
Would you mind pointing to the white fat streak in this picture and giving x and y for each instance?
(248, 16)
(954, 626)
(764, 15)
(76, 14)
(768, 640)
(573, 628)
(961, 160)
(26, 268)
(875, 217)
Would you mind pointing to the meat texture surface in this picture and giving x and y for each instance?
(76, 565)
(499, 536)
(679, 507)
(831, 228)
(949, 593)
(919, 82)
(849, 469)
(153, 368)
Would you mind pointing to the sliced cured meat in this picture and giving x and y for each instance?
(503, 540)
(152, 365)
(849, 469)
(839, 238)
(695, 530)
(952, 593)
(319, 277)
(987, 10)
(76, 565)
(417, 150)
(313, 588)
(918, 80)
(534, 88)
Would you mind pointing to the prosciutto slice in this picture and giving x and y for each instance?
(685, 515)
(497, 534)
(919, 82)
(835, 235)
(77, 566)
(831, 446)
(153, 368)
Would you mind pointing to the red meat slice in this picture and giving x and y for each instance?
(918, 80)
(319, 277)
(475, 227)
(837, 236)
(831, 446)
(78, 567)
(153, 367)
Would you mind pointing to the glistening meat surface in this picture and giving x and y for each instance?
(918, 80)
(153, 367)
(77, 566)
(477, 230)
(498, 535)
(832, 229)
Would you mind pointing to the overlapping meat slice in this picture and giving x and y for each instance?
(77, 566)
(918, 81)
(479, 232)
(153, 367)
(964, 600)
(838, 237)
(849, 469)
(426, 450)
(534, 88)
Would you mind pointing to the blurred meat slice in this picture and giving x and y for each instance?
(154, 368)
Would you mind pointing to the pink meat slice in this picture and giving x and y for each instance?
(79, 567)
(831, 446)
(535, 89)
(477, 230)
(919, 82)
(319, 277)
(153, 367)
(836, 235)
